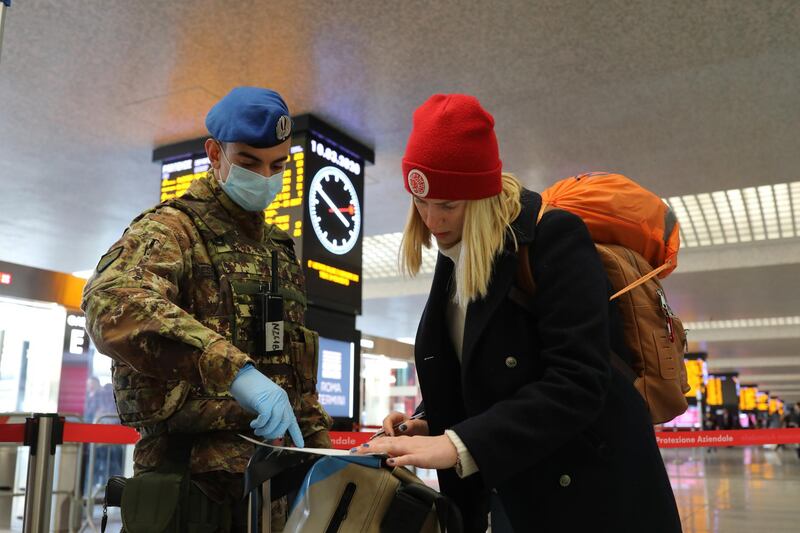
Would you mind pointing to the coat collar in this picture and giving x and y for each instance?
(480, 311)
(524, 226)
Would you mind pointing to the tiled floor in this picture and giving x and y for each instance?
(736, 490)
(730, 490)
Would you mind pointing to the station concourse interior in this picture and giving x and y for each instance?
(102, 107)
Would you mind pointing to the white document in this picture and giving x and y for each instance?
(313, 451)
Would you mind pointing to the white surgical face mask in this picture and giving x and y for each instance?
(250, 190)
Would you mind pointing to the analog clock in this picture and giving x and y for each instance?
(334, 210)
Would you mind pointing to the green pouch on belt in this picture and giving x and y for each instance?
(151, 502)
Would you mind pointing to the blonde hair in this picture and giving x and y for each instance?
(487, 224)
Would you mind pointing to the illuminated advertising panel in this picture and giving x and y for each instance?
(335, 376)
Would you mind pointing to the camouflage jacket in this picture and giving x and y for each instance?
(174, 304)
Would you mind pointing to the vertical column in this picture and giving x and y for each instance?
(4, 5)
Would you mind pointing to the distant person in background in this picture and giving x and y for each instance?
(792, 417)
(729, 419)
(106, 408)
(774, 420)
(792, 420)
(92, 399)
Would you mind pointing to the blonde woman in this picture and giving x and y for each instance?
(521, 405)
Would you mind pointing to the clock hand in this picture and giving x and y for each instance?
(333, 207)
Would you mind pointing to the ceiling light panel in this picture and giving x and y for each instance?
(780, 321)
(380, 256)
(735, 216)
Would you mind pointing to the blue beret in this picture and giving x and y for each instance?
(251, 115)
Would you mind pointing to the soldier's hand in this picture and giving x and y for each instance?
(256, 392)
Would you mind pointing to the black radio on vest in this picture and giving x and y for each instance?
(272, 306)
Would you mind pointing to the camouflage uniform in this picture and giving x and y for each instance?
(173, 304)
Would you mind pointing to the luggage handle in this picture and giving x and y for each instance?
(411, 505)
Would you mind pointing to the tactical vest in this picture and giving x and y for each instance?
(224, 298)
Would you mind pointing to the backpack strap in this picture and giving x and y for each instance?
(525, 287)
(643, 279)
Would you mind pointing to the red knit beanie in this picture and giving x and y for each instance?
(452, 150)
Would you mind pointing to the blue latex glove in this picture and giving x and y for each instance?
(256, 392)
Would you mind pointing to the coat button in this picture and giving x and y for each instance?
(564, 480)
(511, 362)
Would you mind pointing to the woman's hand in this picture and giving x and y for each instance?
(424, 452)
(407, 427)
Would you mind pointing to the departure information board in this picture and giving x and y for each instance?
(747, 398)
(762, 401)
(286, 211)
(775, 406)
(334, 225)
(714, 391)
(177, 175)
(696, 375)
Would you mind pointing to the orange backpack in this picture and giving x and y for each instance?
(637, 238)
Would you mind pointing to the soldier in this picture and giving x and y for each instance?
(176, 303)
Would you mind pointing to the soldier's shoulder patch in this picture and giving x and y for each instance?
(109, 258)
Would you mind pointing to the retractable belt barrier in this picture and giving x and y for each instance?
(732, 437)
(345, 440)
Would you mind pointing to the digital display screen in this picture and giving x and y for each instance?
(714, 391)
(730, 391)
(775, 406)
(762, 401)
(696, 374)
(286, 211)
(335, 369)
(723, 389)
(332, 244)
(177, 175)
(747, 398)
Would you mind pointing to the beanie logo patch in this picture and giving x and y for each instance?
(418, 183)
(283, 128)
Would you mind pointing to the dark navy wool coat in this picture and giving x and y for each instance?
(563, 440)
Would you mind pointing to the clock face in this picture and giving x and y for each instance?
(334, 210)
